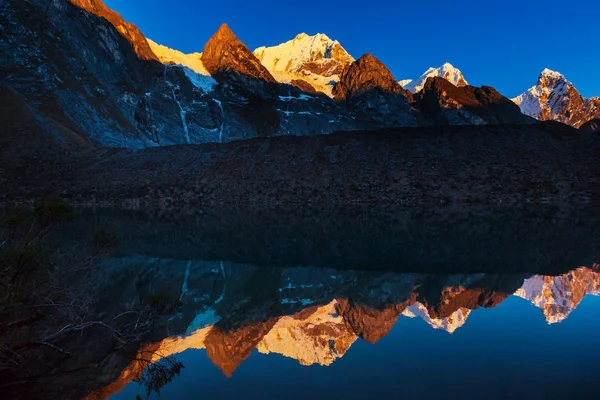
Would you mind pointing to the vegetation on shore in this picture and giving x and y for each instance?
(48, 305)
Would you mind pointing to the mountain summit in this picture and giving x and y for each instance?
(126, 29)
(446, 71)
(224, 53)
(366, 73)
(555, 98)
(316, 54)
(368, 86)
(316, 60)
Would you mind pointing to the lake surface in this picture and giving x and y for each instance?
(359, 305)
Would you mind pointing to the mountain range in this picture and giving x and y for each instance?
(82, 87)
(111, 85)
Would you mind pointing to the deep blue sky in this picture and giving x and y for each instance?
(505, 44)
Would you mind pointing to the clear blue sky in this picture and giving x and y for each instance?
(505, 44)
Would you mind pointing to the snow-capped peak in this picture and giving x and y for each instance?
(446, 71)
(550, 73)
(319, 37)
(293, 54)
(555, 98)
(551, 79)
(315, 59)
(546, 96)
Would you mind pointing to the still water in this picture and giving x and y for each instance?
(354, 305)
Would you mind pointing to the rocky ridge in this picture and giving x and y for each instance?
(129, 31)
(369, 86)
(225, 54)
(445, 103)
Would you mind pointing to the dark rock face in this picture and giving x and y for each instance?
(365, 74)
(129, 31)
(225, 54)
(75, 68)
(444, 103)
(32, 148)
(505, 164)
(369, 87)
(228, 349)
(304, 86)
(370, 323)
(592, 126)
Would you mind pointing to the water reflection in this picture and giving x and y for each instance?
(316, 315)
(312, 287)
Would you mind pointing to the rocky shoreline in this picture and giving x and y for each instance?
(505, 164)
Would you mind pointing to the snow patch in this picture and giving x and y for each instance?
(206, 83)
(169, 56)
(290, 98)
(304, 302)
(202, 320)
(222, 120)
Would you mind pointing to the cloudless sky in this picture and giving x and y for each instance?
(505, 44)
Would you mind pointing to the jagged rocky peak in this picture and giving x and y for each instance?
(366, 74)
(555, 98)
(445, 103)
(551, 79)
(127, 30)
(446, 71)
(224, 53)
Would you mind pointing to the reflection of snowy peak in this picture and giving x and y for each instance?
(446, 71)
(314, 315)
(557, 296)
(316, 60)
(449, 324)
(555, 98)
(320, 338)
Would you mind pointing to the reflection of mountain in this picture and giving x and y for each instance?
(557, 296)
(316, 335)
(449, 324)
(314, 315)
